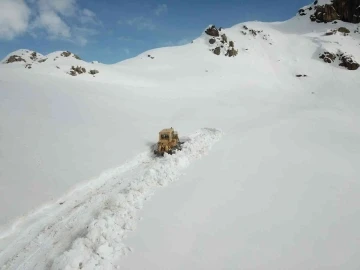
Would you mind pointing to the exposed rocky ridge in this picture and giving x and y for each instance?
(330, 11)
(31, 59)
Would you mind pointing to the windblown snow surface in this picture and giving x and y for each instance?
(268, 177)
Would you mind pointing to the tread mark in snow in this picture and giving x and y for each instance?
(94, 243)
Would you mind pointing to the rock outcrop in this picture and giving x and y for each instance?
(212, 31)
(67, 54)
(220, 43)
(14, 58)
(345, 60)
(344, 10)
(348, 62)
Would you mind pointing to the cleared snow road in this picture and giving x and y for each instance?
(86, 228)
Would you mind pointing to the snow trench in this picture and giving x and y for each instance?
(103, 243)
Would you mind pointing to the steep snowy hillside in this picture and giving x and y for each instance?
(268, 178)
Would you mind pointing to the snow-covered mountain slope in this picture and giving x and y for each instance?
(278, 190)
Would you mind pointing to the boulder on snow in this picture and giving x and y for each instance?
(93, 72)
(344, 30)
(212, 31)
(15, 58)
(328, 57)
(217, 50)
(231, 44)
(212, 40)
(224, 38)
(348, 62)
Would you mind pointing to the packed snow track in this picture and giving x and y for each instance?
(86, 228)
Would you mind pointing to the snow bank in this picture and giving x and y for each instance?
(102, 243)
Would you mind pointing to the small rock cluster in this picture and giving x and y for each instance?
(246, 30)
(152, 57)
(81, 70)
(77, 70)
(67, 54)
(346, 61)
(221, 42)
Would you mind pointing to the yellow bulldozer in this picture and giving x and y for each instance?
(169, 142)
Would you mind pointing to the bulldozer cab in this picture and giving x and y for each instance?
(168, 135)
(168, 141)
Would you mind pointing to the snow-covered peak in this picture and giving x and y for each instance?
(23, 56)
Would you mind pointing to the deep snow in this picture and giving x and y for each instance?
(279, 190)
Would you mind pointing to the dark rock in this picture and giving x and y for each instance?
(212, 40)
(28, 66)
(33, 56)
(78, 70)
(253, 32)
(216, 51)
(301, 12)
(224, 38)
(93, 71)
(42, 60)
(243, 32)
(348, 62)
(326, 13)
(345, 10)
(231, 44)
(66, 54)
(328, 57)
(231, 52)
(245, 27)
(15, 58)
(316, 2)
(212, 31)
(344, 30)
